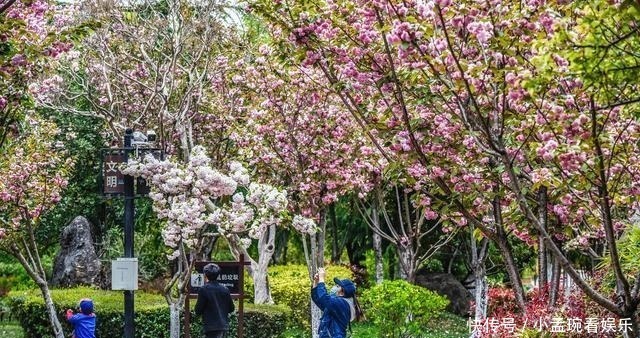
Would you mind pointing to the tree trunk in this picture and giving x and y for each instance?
(317, 261)
(542, 249)
(335, 249)
(174, 319)
(258, 270)
(377, 244)
(261, 290)
(555, 283)
(315, 319)
(507, 254)
(51, 310)
(377, 248)
(266, 249)
(478, 258)
(480, 275)
(406, 262)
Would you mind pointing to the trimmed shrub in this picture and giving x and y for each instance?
(290, 285)
(401, 309)
(151, 314)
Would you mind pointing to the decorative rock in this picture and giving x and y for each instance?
(77, 262)
(446, 285)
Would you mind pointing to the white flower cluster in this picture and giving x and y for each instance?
(254, 213)
(181, 192)
(304, 225)
(264, 196)
(190, 196)
(239, 173)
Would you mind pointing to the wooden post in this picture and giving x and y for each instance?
(187, 315)
(241, 298)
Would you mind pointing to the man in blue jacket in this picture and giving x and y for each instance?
(214, 304)
(337, 312)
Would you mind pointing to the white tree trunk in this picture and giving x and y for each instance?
(266, 249)
(317, 261)
(174, 319)
(51, 310)
(377, 248)
(406, 262)
(478, 258)
(481, 295)
(377, 244)
(261, 290)
(258, 270)
(315, 319)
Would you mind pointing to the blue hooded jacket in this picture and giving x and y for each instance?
(336, 313)
(84, 323)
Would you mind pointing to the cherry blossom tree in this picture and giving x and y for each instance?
(33, 34)
(199, 202)
(368, 74)
(33, 175)
(458, 88)
(297, 135)
(150, 65)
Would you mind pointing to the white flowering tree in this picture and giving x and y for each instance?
(199, 203)
(255, 215)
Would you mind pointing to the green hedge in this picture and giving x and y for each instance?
(401, 309)
(151, 319)
(290, 285)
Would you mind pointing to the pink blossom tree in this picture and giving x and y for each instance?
(33, 34)
(384, 93)
(458, 88)
(297, 135)
(33, 175)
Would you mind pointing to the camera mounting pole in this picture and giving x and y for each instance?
(129, 214)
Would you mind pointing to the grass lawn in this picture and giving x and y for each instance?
(446, 326)
(10, 330)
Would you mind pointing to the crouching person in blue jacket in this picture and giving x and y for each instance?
(337, 306)
(84, 322)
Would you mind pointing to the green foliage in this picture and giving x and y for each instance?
(291, 286)
(401, 309)
(152, 314)
(628, 251)
(10, 330)
(14, 277)
(148, 243)
(81, 137)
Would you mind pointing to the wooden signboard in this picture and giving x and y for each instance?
(231, 276)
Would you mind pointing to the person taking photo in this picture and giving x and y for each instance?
(339, 306)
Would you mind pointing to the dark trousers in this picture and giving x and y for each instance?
(215, 334)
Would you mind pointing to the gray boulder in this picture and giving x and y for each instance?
(446, 285)
(77, 262)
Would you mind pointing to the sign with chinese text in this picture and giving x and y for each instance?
(112, 178)
(229, 276)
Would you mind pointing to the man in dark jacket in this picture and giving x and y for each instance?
(337, 311)
(214, 304)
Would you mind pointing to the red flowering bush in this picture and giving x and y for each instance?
(573, 316)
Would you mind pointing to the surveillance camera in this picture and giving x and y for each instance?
(139, 137)
(151, 136)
